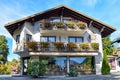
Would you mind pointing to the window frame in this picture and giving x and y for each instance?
(18, 38)
(47, 38)
(29, 36)
(75, 38)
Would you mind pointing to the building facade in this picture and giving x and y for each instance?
(61, 36)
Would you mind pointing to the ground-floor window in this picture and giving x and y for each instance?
(84, 65)
(58, 65)
(112, 63)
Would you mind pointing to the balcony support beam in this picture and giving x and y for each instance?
(90, 23)
(102, 29)
(61, 16)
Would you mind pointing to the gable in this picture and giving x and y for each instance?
(65, 12)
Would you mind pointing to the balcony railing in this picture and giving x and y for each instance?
(63, 25)
(61, 47)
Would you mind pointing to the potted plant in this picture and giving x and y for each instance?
(59, 45)
(84, 46)
(44, 45)
(73, 72)
(58, 24)
(95, 46)
(32, 45)
(46, 24)
(81, 25)
(70, 24)
(71, 46)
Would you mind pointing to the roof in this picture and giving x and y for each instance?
(117, 53)
(12, 26)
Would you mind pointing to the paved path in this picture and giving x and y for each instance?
(82, 77)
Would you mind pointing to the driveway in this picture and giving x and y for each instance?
(82, 77)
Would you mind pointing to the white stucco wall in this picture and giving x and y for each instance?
(17, 32)
(117, 65)
(34, 30)
(98, 39)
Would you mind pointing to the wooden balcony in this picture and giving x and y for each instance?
(60, 27)
(61, 47)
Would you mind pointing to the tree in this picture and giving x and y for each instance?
(15, 66)
(107, 50)
(105, 65)
(3, 49)
(3, 68)
(107, 46)
(8, 67)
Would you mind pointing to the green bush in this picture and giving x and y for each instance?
(32, 45)
(58, 24)
(59, 45)
(81, 25)
(71, 45)
(44, 44)
(84, 46)
(73, 72)
(70, 24)
(36, 69)
(95, 46)
(3, 68)
(105, 65)
(47, 24)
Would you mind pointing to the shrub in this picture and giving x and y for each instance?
(73, 72)
(105, 65)
(32, 45)
(84, 46)
(44, 44)
(95, 46)
(81, 25)
(3, 68)
(70, 24)
(71, 45)
(46, 24)
(58, 24)
(59, 45)
(36, 69)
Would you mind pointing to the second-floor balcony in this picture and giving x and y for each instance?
(61, 47)
(70, 26)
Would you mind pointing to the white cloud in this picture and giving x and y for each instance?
(9, 13)
(91, 2)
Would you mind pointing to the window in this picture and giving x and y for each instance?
(28, 37)
(75, 39)
(56, 19)
(44, 39)
(17, 38)
(48, 39)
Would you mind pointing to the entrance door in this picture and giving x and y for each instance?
(25, 65)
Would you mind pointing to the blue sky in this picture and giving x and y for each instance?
(107, 11)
